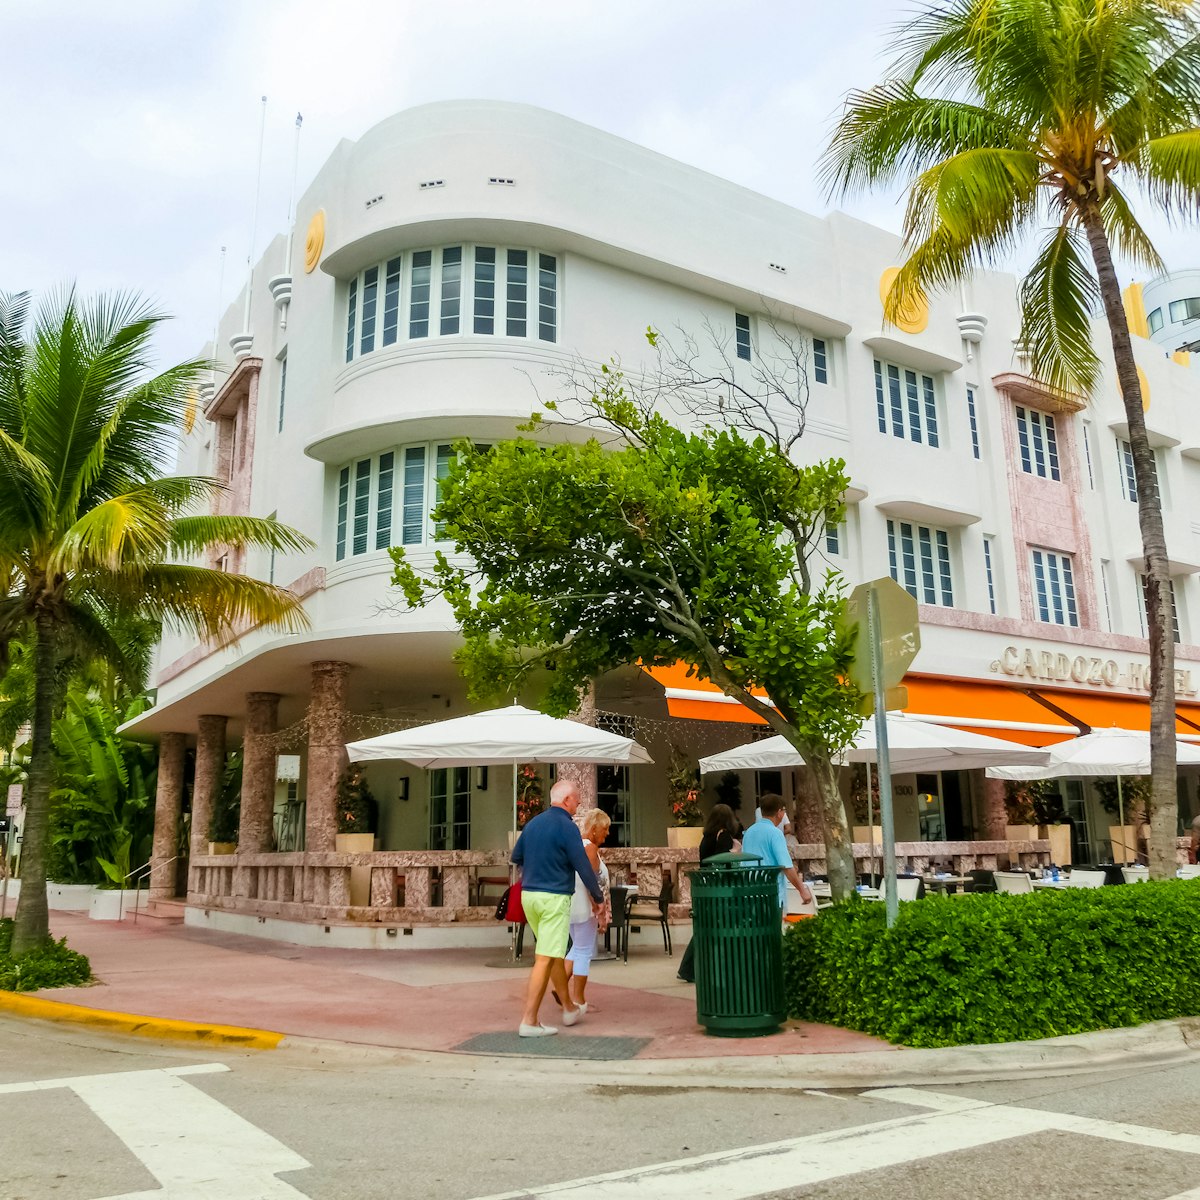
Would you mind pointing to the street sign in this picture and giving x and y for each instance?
(893, 698)
(899, 633)
(15, 792)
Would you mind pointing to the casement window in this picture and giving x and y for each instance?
(450, 808)
(820, 361)
(386, 500)
(973, 420)
(1185, 310)
(906, 403)
(1085, 429)
(741, 327)
(835, 538)
(282, 387)
(1129, 487)
(1155, 320)
(919, 560)
(1054, 587)
(452, 290)
(1038, 441)
(990, 571)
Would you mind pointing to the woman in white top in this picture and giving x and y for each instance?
(585, 923)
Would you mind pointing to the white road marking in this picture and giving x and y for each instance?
(192, 1144)
(956, 1123)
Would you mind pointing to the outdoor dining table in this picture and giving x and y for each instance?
(1064, 882)
(944, 883)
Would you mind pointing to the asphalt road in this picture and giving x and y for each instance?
(92, 1117)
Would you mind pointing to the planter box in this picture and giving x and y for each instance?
(681, 836)
(360, 877)
(69, 897)
(1020, 833)
(222, 847)
(862, 833)
(1124, 842)
(1059, 837)
(112, 904)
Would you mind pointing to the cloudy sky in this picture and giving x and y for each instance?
(132, 136)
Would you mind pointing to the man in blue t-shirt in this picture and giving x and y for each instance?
(765, 839)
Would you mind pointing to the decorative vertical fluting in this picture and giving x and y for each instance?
(210, 769)
(168, 804)
(258, 773)
(583, 773)
(326, 752)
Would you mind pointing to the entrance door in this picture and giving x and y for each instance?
(612, 797)
(450, 809)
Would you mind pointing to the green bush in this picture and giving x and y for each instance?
(50, 965)
(1000, 968)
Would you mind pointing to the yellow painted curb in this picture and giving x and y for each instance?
(132, 1023)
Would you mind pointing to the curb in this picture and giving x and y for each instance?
(196, 1032)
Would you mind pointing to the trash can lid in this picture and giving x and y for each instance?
(734, 858)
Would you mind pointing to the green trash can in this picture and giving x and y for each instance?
(738, 933)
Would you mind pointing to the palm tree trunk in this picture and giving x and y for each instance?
(1163, 816)
(32, 926)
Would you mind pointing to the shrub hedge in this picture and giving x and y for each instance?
(47, 966)
(1000, 968)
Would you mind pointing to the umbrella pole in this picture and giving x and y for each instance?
(1121, 820)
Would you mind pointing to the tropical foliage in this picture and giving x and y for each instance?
(93, 528)
(356, 806)
(530, 800)
(1012, 118)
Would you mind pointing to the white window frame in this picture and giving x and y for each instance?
(822, 358)
(989, 570)
(920, 558)
(1037, 439)
(907, 403)
(973, 421)
(1144, 614)
(1054, 596)
(1129, 487)
(742, 334)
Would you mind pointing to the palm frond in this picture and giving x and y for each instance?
(1125, 232)
(1169, 169)
(1167, 99)
(1057, 298)
(192, 535)
(135, 526)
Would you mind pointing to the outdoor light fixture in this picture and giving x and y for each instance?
(481, 779)
(402, 787)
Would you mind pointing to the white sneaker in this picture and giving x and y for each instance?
(536, 1030)
(570, 1018)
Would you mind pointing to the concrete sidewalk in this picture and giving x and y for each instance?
(449, 1006)
(423, 1000)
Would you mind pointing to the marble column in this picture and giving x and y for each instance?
(995, 815)
(210, 769)
(255, 835)
(168, 805)
(583, 773)
(326, 752)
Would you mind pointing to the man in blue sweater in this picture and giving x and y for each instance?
(550, 854)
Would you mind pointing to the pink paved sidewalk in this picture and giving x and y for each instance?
(404, 999)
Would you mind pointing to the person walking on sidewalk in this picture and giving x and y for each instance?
(587, 923)
(765, 839)
(550, 854)
(720, 837)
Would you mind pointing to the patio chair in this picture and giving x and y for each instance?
(1136, 874)
(1012, 881)
(979, 879)
(646, 910)
(1086, 879)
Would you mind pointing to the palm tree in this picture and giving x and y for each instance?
(91, 525)
(1007, 116)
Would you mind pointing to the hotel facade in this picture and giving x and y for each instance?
(444, 271)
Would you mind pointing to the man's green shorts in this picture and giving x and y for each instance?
(549, 916)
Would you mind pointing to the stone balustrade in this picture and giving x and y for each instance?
(441, 887)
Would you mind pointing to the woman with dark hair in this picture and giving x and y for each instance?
(720, 832)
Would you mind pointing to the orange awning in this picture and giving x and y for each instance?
(993, 708)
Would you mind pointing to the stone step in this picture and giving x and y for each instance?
(163, 912)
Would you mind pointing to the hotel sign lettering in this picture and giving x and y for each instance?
(1047, 666)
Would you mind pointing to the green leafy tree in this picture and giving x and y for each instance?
(1005, 116)
(659, 546)
(92, 525)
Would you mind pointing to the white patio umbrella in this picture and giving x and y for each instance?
(509, 735)
(1103, 752)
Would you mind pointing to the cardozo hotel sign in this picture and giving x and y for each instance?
(1049, 666)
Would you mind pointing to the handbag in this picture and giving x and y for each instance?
(510, 907)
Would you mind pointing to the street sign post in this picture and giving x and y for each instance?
(15, 795)
(888, 615)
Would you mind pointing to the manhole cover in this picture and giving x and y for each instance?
(599, 1049)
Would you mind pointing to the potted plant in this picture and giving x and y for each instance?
(683, 789)
(1129, 796)
(530, 799)
(225, 818)
(355, 829)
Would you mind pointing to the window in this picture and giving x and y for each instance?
(974, 422)
(820, 361)
(1185, 310)
(1129, 487)
(833, 538)
(423, 292)
(919, 558)
(450, 808)
(282, 387)
(1105, 569)
(991, 577)
(1087, 453)
(1054, 588)
(1144, 592)
(907, 401)
(741, 326)
(1155, 320)
(386, 500)
(1039, 443)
